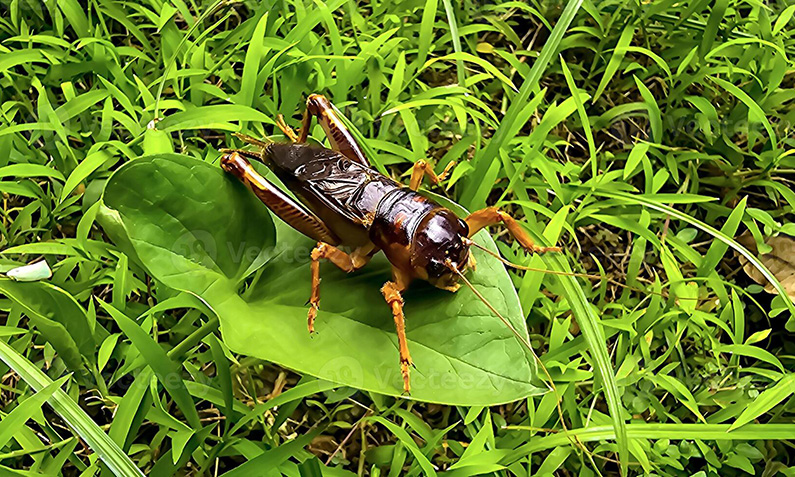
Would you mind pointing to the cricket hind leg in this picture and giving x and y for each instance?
(339, 136)
(492, 216)
(344, 261)
(422, 168)
(392, 291)
(295, 215)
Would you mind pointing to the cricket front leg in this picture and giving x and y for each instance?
(422, 168)
(345, 262)
(492, 215)
(392, 294)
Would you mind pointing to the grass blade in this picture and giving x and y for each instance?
(473, 198)
(707, 432)
(766, 401)
(591, 328)
(110, 453)
(640, 200)
(166, 370)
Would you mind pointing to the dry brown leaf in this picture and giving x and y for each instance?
(780, 261)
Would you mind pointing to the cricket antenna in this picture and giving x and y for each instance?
(507, 323)
(496, 255)
(550, 382)
(471, 242)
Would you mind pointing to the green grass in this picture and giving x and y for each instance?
(645, 137)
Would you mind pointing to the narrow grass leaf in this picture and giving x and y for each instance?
(756, 263)
(635, 157)
(676, 432)
(766, 401)
(755, 112)
(716, 14)
(615, 60)
(91, 163)
(517, 104)
(75, 417)
(655, 116)
(408, 442)
(783, 19)
(718, 248)
(586, 123)
(167, 371)
(12, 423)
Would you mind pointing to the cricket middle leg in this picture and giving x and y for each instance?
(422, 168)
(344, 261)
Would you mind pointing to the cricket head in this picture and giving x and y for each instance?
(440, 249)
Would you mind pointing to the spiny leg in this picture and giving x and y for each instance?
(422, 168)
(345, 262)
(339, 136)
(492, 215)
(277, 201)
(287, 130)
(262, 144)
(392, 294)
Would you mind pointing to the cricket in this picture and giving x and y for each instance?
(353, 212)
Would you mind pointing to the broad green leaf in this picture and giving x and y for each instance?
(183, 219)
(198, 230)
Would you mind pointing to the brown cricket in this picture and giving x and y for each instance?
(354, 211)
